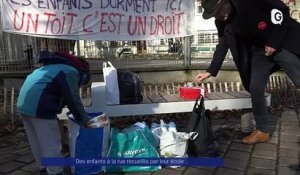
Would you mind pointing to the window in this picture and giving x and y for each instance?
(215, 38)
(199, 9)
(207, 38)
(161, 42)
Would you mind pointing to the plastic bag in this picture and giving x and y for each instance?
(88, 142)
(130, 85)
(111, 83)
(174, 144)
(136, 141)
(205, 144)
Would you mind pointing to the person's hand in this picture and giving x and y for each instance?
(269, 51)
(88, 124)
(202, 76)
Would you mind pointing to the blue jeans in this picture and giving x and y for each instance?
(262, 68)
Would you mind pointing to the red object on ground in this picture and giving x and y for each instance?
(192, 92)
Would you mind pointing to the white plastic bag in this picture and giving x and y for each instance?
(111, 83)
(174, 144)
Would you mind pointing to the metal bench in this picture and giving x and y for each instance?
(166, 103)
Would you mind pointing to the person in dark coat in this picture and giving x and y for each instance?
(240, 51)
(265, 26)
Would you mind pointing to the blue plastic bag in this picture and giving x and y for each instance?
(88, 143)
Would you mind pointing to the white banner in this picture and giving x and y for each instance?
(99, 19)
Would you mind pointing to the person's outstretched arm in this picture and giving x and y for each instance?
(218, 56)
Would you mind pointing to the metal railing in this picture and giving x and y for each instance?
(17, 52)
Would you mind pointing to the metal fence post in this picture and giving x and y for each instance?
(187, 51)
(12, 104)
(4, 99)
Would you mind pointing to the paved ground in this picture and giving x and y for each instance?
(281, 156)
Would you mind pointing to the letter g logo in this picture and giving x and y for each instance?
(276, 16)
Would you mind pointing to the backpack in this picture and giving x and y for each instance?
(130, 85)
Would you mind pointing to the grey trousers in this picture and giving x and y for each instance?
(44, 140)
(262, 68)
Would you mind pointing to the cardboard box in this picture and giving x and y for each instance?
(192, 92)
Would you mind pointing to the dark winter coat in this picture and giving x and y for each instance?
(255, 22)
(251, 24)
(240, 51)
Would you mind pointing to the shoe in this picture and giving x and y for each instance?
(256, 136)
